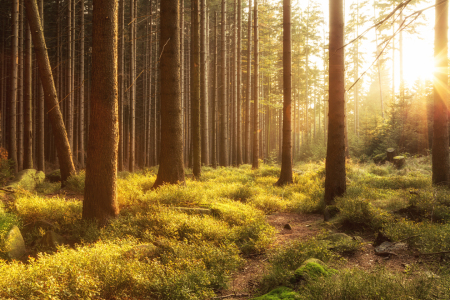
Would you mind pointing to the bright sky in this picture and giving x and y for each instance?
(418, 49)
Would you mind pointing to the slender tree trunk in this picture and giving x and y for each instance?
(247, 158)
(27, 107)
(286, 156)
(440, 154)
(214, 97)
(81, 112)
(20, 92)
(182, 73)
(255, 164)
(223, 92)
(171, 168)
(335, 177)
(195, 89)
(121, 81)
(203, 86)
(239, 83)
(100, 197)
(13, 84)
(133, 21)
(59, 131)
(234, 88)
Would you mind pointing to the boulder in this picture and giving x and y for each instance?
(27, 179)
(312, 269)
(14, 244)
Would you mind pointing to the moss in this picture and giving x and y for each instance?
(280, 293)
(313, 269)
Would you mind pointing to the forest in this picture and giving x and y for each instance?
(224, 149)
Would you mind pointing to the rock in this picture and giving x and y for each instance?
(312, 269)
(51, 240)
(54, 176)
(388, 248)
(330, 212)
(27, 179)
(143, 251)
(287, 226)
(381, 237)
(14, 244)
(279, 293)
(193, 211)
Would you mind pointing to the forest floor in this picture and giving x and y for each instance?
(233, 235)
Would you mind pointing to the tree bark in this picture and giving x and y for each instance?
(27, 107)
(204, 87)
(286, 155)
(81, 112)
(100, 196)
(121, 70)
(59, 131)
(13, 85)
(214, 97)
(255, 163)
(239, 84)
(195, 89)
(223, 92)
(440, 153)
(247, 158)
(133, 21)
(171, 169)
(335, 184)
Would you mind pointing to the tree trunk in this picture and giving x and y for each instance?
(59, 131)
(100, 196)
(81, 131)
(133, 21)
(70, 86)
(171, 169)
(20, 93)
(440, 153)
(214, 97)
(204, 87)
(247, 158)
(255, 164)
(195, 89)
(121, 81)
(27, 107)
(286, 155)
(13, 85)
(223, 92)
(335, 184)
(239, 84)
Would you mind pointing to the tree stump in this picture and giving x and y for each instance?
(390, 153)
(399, 161)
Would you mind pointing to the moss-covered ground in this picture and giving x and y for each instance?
(195, 254)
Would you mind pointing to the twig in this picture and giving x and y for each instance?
(232, 295)
(162, 51)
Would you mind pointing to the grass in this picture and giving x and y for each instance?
(193, 255)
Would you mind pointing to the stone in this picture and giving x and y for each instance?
(381, 237)
(14, 244)
(27, 179)
(51, 240)
(388, 248)
(54, 176)
(287, 226)
(312, 269)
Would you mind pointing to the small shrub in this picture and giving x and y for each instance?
(75, 182)
(359, 213)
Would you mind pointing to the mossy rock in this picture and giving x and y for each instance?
(14, 244)
(280, 293)
(54, 176)
(27, 179)
(312, 269)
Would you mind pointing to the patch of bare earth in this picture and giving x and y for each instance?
(244, 282)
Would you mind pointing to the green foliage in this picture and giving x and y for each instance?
(7, 221)
(75, 182)
(280, 293)
(313, 270)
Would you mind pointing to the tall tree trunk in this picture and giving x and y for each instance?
(223, 92)
(133, 21)
(121, 70)
(195, 89)
(239, 84)
(203, 87)
(247, 158)
(100, 197)
(13, 85)
(20, 93)
(81, 112)
(255, 163)
(234, 89)
(171, 168)
(70, 86)
(335, 184)
(27, 107)
(59, 131)
(214, 97)
(183, 97)
(286, 156)
(440, 154)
